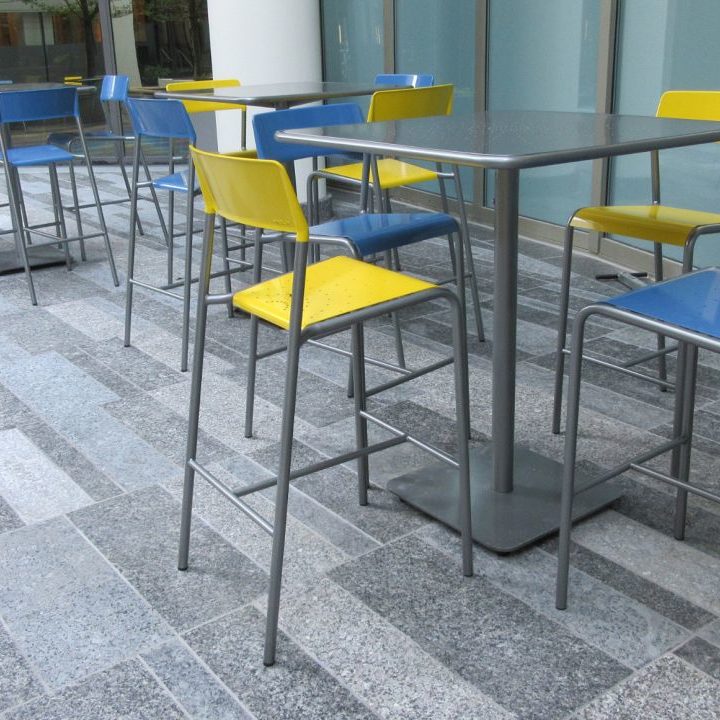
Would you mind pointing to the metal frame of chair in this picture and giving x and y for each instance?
(113, 92)
(657, 223)
(686, 309)
(311, 302)
(39, 105)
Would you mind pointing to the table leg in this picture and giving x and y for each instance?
(515, 491)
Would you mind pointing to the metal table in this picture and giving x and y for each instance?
(276, 95)
(516, 491)
(11, 260)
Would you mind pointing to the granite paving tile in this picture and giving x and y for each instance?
(13, 413)
(89, 318)
(18, 683)
(525, 662)
(9, 519)
(68, 611)
(381, 665)
(626, 630)
(200, 692)
(32, 484)
(665, 602)
(711, 633)
(307, 554)
(126, 691)
(702, 655)
(219, 579)
(671, 564)
(668, 689)
(296, 686)
(108, 376)
(163, 429)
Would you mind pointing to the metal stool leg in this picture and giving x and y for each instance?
(187, 280)
(568, 488)
(683, 426)
(659, 276)
(226, 263)
(16, 211)
(58, 212)
(131, 246)
(195, 393)
(361, 434)
(252, 357)
(562, 328)
(76, 203)
(286, 440)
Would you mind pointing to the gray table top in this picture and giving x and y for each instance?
(512, 139)
(21, 87)
(275, 94)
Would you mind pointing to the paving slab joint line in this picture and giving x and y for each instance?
(164, 688)
(553, 620)
(37, 675)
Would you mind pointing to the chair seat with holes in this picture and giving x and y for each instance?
(372, 233)
(333, 287)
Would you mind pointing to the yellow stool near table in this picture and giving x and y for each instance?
(312, 301)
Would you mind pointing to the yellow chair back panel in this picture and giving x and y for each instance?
(407, 103)
(199, 106)
(250, 192)
(690, 105)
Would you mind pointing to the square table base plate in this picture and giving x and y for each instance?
(502, 522)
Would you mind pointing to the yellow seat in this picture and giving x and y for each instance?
(393, 173)
(333, 287)
(657, 223)
(310, 302)
(200, 106)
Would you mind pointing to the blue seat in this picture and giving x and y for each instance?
(27, 106)
(165, 120)
(373, 233)
(685, 309)
(404, 80)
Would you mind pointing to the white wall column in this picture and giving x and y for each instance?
(262, 42)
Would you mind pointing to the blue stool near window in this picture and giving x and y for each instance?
(34, 106)
(402, 79)
(113, 94)
(686, 309)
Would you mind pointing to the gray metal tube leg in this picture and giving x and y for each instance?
(131, 246)
(361, 434)
(568, 485)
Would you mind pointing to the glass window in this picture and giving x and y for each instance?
(543, 56)
(352, 41)
(429, 38)
(657, 51)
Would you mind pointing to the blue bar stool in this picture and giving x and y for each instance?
(686, 309)
(113, 94)
(402, 79)
(32, 106)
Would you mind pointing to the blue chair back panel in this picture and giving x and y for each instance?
(31, 105)
(161, 119)
(265, 125)
(114, 88)
(417, 81)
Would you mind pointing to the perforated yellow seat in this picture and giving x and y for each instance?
(393, 173)
(333, 287)
(657, 223)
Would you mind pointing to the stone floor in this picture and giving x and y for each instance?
(377, 620)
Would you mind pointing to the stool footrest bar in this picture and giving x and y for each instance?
(677, 483)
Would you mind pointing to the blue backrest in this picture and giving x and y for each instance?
(401, 80)
(267, 124)
(161, 119)
(114, 88)
(44, 104)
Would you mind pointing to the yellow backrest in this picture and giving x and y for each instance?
(198, 106)
(250, 192)
(690, 105)
(406, 103)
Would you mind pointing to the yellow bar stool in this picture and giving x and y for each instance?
(657, 223)
(312, 301)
